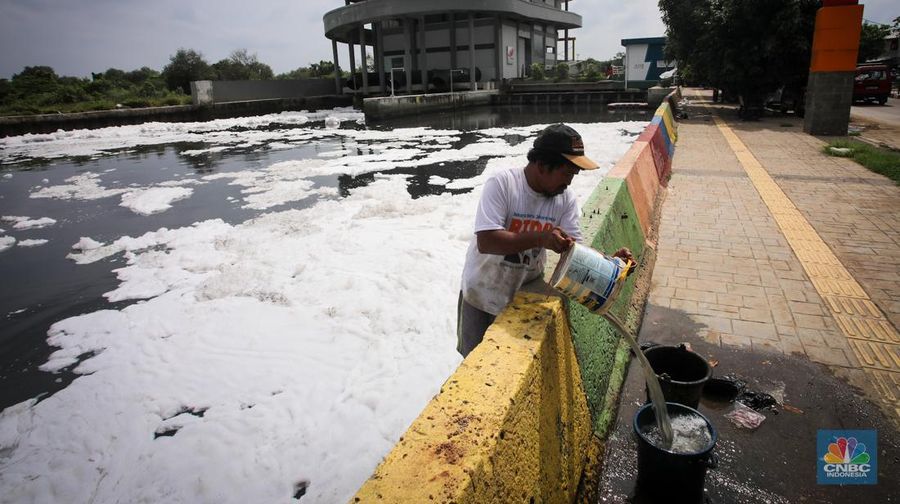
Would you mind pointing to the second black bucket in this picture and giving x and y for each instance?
(666, 476)
(682, 373)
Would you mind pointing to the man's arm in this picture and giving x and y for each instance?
(502, 242)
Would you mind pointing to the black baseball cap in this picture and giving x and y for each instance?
(565, 141)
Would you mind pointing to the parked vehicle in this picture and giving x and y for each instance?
(872, 82)
(788, 99)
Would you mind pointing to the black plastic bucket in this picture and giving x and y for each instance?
(665, 476)
(685, 373)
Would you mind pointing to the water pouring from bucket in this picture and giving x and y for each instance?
(594, 279)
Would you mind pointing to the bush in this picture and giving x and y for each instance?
(537, 71)
(561, 72)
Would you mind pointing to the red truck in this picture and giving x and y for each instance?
(872, 82)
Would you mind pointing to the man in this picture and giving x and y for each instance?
(522, 213)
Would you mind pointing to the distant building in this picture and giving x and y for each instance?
(483, 42)
(644, 60)
(891, 53)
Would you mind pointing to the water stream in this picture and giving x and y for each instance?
(656, 394)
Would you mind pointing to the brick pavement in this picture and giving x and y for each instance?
(724, 261)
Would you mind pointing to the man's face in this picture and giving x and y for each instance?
(557, 180)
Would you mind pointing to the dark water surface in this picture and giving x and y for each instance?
(40, 286)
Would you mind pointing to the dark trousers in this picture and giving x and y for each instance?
(471, 324)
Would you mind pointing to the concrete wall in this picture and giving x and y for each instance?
(522, 418)
(233, 91)
(508, 426)
(387, 106)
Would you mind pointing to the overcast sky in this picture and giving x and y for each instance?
(76, 37)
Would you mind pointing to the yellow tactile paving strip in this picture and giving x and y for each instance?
(874, 340)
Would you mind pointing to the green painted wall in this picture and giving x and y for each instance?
(609, 217)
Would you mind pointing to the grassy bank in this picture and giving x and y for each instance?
(883, 161)
(92, 105)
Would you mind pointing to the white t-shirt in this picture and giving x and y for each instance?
(490, 281)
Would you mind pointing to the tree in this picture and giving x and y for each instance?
(871, 41)
(241, 65)
(35, 79)
(313, 71)
(590, 70)
(561, 71)
(184, 66)
(748, 49)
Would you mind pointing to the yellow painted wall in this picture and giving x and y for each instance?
(511, 425)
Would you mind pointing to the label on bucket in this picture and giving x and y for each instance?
(589, 277)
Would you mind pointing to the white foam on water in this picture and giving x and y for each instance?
(6, 242)
(219, 133)
(153, 200)
(32, 243)
(21, 223)
(85, 186)
(309, 339)
(690, 434)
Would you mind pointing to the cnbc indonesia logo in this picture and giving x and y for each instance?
(847, 459)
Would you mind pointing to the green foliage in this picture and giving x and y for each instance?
(561, 72)
(745, 48)
(184, 66)
(313, 71)
(590, 70)
(537, 71)
(242, 66)
(39, 90)
(871, 41)
(883, 161)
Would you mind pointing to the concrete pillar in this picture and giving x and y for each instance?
(544, 47)
(407, 56)
(471, 51)
(530, 57)
(500, 51)
(829, 89)
(338, 89)
(362, 58)
(566, 34)
(423, 58)
(352, 50)
(379, 54)
(452, 41)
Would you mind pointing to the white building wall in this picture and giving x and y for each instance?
(636, 68)
(485, 59)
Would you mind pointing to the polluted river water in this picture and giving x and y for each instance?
(246, 309)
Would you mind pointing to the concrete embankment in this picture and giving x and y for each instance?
(519, 94)
(48, 123)
(524, 416)
(394, 106)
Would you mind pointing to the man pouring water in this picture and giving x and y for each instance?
(522, 213)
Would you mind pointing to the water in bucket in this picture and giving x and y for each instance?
(689, 434)
(594, 280)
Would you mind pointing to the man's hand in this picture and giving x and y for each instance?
(625, 254)
(557, 240)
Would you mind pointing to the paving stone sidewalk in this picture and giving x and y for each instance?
(723, 260)
(744, 201)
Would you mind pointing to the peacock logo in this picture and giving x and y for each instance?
(846, 451)
(847, 457)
